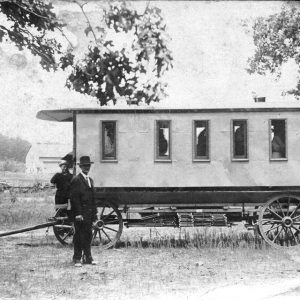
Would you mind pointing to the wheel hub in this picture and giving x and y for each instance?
(99, 224)
(287, 222)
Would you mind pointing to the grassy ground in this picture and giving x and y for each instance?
(161, 263)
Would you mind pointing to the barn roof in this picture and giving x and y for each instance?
(51, 149)
(66, 115)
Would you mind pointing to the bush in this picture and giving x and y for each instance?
(10, 165)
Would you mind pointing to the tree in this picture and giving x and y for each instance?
(28, 22)
(105, 72)
(277, 40)
(13, 148)
(108, 73)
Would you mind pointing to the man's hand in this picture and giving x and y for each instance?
(79, 218)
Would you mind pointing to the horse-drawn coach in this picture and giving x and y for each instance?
(191, 167)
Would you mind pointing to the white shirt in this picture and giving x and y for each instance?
(86, 177)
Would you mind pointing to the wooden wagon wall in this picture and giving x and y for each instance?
(136, 165)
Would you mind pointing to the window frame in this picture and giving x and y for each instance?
(286, 140)
(234, 158)
(158, 158)
(194, 142)
(115, 159)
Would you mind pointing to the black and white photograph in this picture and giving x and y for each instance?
(149, 150)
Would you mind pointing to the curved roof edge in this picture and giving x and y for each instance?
(66, 115)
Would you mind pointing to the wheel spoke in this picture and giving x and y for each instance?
(293, 236)
(102, 211)
(288, 207)
(271, 221)
(286, 237)
(296, 228)
(106, 216)
(274, 213)
(295, 218)
(112, 222)
(272, 228)
(280, 207)
(66, 235)
(95, 233)
(277, 235)
(106, 235)
(100, 237)
(110, 228)
(295, 210)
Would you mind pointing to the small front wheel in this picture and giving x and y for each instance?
(64, 229)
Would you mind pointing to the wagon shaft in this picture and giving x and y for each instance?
(45, 225)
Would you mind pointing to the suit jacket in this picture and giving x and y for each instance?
(83, 198)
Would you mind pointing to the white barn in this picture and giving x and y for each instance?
(43, 158)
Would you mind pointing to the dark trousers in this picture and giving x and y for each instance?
(82, 240)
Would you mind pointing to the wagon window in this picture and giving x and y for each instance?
(163, 148)
(201, 140)
(109, 140)
(278, 139)
(240, 143)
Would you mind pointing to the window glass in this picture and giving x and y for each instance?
(239, 129)
(109, 140)
(163, 150)
(278, 139)
(201, 141)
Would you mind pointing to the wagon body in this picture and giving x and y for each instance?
(150, 161)
(137, 177)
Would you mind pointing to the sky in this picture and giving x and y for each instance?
(210, 49)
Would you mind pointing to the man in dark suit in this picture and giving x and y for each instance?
(84, 211)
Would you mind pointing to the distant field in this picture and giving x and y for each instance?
(23, 179)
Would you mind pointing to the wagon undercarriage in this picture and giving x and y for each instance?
(277, 220)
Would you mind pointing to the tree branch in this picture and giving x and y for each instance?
(26, 9)
(34, 48)
(87, 19)
(63, 34)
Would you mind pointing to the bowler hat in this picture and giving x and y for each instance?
(85, 160)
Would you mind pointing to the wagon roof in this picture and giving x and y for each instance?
(66, 115)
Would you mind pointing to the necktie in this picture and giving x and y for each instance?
(87, 178)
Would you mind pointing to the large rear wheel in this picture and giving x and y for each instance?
(108, 228)
(279, 221)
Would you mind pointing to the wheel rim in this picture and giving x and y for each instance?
(279, 221)
(108, 227)
(63, 231)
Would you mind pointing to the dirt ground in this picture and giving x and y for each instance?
(33, 266)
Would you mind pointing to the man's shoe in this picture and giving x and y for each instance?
(77, 263)
(89, 261)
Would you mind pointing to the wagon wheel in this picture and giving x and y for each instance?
(279, 221)
(64, 230)
(108, 227)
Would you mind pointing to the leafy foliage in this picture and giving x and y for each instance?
(109, 73)
(277, 40)
(105, 72)
(28, 21)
